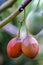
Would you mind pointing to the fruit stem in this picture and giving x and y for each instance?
(19, 33)
(37, 7)
(42, 19)
(20, 24)
(25, 21)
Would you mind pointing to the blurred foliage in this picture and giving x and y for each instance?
(2, 1)
(5, 37)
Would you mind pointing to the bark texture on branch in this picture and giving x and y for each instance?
(15, 13)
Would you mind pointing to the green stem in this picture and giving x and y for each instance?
(42, 19)
(20, 24)
(25, 21)
(24, 16)
(37, 7)
(18, 33)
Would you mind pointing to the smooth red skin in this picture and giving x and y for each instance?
(30, 47)
(14, 48)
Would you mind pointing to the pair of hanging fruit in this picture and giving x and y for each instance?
(28, 46)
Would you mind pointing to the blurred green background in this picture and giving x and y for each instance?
(10, 30)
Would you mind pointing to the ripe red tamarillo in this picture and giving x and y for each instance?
(30, 47)
(14, 48)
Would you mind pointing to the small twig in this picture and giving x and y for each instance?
(6, 5)
(15, 13)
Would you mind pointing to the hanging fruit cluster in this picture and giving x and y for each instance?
(28, 46)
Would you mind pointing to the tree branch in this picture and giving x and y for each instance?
(6, 5)
(15, 13)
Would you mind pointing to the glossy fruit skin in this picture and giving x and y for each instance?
(34, 21)
(14, 48)
(30, 47)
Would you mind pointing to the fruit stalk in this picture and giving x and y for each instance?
(25, 22)
(19, 32)
(37, 7)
